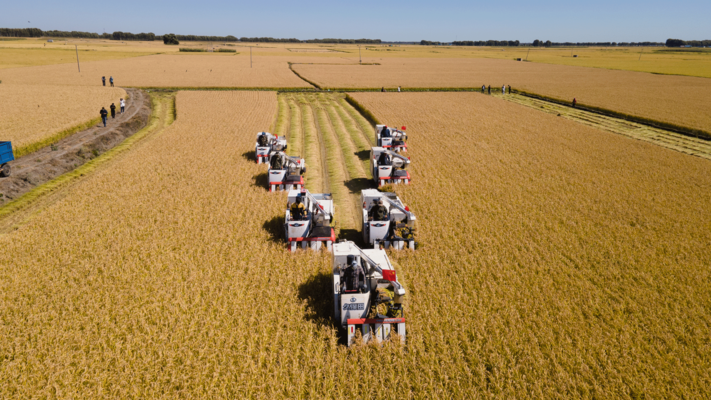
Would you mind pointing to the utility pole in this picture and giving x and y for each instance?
(77, 50)
(529, 50)
(250, 56)
(640, 54)
(359, 57)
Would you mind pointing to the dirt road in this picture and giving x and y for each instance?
(52, 161)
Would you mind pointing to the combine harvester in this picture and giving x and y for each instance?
(266, 144)
(390, 138)
(387, 221)
(366, 294)
(308, 220)
(388, 166)
(285, 172)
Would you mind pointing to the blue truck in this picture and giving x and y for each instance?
(6, 156)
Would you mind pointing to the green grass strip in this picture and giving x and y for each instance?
(314, 163)
(296, 134)
(90, 166)
(304, 79)
(360, 138)
(363, 111)
(348, 148)
(32, 147)
(334, 163)
(697, 133)
(282, 117)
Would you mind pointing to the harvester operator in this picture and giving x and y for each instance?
(384, 159)
(355, 276)
(385, 132)
(276, 162)
(298, 211)
(378, 212)
(262, 140)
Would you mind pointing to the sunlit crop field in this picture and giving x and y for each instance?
(676, 99)
(557, 260)
(33, 113)
(219, 70)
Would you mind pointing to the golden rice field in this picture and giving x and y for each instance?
(556, 261)
(165, 71)
(35, 113)
(676, 99)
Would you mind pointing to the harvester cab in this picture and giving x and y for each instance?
(394, 228)
(308, 220)
(391, 138)
(285, 172)
(388, 166)
(366, 294)
(266, 144)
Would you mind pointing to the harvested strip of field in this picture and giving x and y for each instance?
(555, 258)
(679, 100)
(33, 116)
(668, 139)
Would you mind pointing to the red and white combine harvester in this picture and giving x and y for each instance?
(388, 166)
(285, 172)
(387, 221)
(366, 294)
(266, 144)
(308, 220)
(391, 138)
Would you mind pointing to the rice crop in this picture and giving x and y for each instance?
(557, 260)
(31, 115)
(680, 100)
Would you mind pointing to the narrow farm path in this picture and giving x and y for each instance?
(661, 137)
(21, 210)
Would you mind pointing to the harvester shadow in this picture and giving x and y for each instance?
(250, 155)
(355, 185)
(363, 154)
(261, 180)
(275, 227)
(316, 291)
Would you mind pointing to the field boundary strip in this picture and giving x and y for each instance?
(664, 138)
(304, 79)
(163, 115)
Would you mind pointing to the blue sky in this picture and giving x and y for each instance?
(412, 20)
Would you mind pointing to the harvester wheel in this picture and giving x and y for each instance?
(5, 170)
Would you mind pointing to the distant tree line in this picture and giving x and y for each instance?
(36, 32)
(486, 43)
(293, 40)
(23, 32)
(268, 40)
(692, 43)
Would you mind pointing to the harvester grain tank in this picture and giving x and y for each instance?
(388, 166)
(6, 155)
(285, 172)
(309, 221)
(394, 228)
(367, 295)
(391, 138)
(266, 144)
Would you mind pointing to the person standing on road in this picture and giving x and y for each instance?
(510, 89)
(103, 114)
(113, 110)
(398, 89)
(574, 102)
(383, 89)
(503, 89)
(111, 79)
(483, 89)
(123, 105)
(489, 89)
(103, 80)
